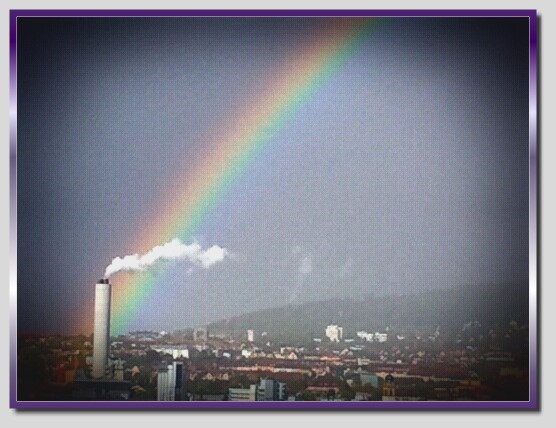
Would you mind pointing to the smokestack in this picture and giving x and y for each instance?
(103, 292)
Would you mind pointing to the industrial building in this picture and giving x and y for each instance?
(103, 295)
(266, 390)
(243, 394)
(271, 390)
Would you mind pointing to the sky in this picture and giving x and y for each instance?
(404, 170)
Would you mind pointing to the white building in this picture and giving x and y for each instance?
(365, 336)
(174, 351)
(243, 394)
(373, 337)
(171, 382)
(250, 335)
(334, 333)
(381, 337)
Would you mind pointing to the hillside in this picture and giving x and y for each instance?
(448, 308)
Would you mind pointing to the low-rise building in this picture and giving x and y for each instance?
(266, 390)
(271, 390)
(243, 394)
(334, 332)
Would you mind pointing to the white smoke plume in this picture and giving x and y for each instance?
(305, 268)
(173, 250)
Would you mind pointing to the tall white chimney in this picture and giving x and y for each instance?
(103, 292)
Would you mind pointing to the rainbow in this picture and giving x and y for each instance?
(232, 150)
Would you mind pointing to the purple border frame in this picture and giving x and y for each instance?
(532, 404)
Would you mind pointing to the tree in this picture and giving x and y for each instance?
(306, 396)
(346, 392)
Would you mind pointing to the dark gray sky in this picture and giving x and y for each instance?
(406, 170)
